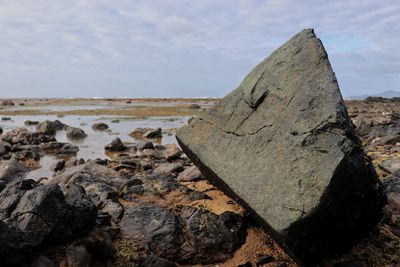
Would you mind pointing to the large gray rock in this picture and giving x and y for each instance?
(18, 136)
(50, 127)
(283, 145)
(38, 212)
(32, 215)
(12, 170)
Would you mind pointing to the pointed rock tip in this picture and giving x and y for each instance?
(306, 32)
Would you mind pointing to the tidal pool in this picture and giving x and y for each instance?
(92, 146)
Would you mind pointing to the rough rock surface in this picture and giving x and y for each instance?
(100, 126)
(31, 213)
(115, 145)
(157, 225)
(12, 170)
(23, 136)
(49, 127)
(146, 133)
(283, 145)
(391, 165)
(75, 133)
(191, 174)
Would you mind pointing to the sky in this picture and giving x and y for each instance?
(177, 48)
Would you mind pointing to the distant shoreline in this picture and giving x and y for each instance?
(135, 107)
(142, 99)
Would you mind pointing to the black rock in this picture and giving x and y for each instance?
(212, 238)
(42, 261)
(77, 256)
(155, 261)
(99, 244)
(116, 145)
(101, 126)
(49, 127)
(82, 213)
(157, 225)
(145, 145)
(12, 170)
(58, 166)
(154, 133)
(38, 212)
(30, 123)
(349, 264)
(74, 133)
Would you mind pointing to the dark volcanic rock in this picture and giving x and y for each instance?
(23, 136)
(30, 123)
(156, 133)
(87, 173)
(147, 133)
(145, 145)
(100, 126)
(82, 213)
(99, 183)
(115, 145)
(99, 243)
(77, 256)
(18, 136)
(57, 166)
(68, 149)
(75, 133)
(38, 212)
(157, 225)
(49, 127)
(155, 261)
(210, 237)
(23, 152)
(12, 170)
(33, 214)
(10, 196)
(283, 145)
(42, 261)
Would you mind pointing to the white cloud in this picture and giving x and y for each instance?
(173, 25)
(133, 39)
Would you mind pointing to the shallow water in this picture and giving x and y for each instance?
(92, 146)
(44, 171)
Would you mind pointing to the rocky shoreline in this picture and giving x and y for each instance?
(147, 205)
